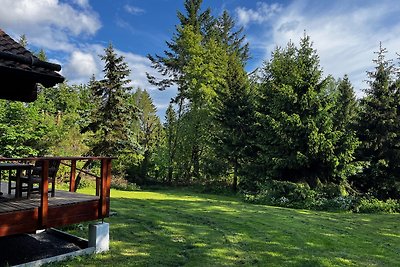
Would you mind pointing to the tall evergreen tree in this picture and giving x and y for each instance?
(235, 118)
(170, 127)
(234, 41)
(112, 118)
(172, 63)
(346, 104)
(379, 130)
(296, 134)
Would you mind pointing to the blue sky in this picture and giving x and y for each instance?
(74, 32)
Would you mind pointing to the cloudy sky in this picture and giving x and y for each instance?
(74, 32)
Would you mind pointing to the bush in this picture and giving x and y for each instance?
(87, 182)
(329, 197)
(374, 205)
(284, 194)
(298, 195)
(120, 183)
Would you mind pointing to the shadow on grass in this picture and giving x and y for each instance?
(206, 230)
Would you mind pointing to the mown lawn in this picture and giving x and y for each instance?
(177, 228)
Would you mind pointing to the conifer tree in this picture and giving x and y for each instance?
(296, 134)
(113, 116)
(235, 118)
(170, 127)
(346, 104)
(231, 39)
(378, 130)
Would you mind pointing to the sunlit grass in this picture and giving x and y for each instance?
(178, 228)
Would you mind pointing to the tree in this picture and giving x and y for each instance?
(170, 129)
(296, 135)
(23, 41)
(231, 39)
(148, 129)
(378, 130)
(113, 117)
(171, 65)
(346, 104)
(235, 118)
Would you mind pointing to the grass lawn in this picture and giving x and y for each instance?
(179, 228)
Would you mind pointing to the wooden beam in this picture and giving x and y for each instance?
(108, 184)
(72, 176)
(104, 191)
(44, 195)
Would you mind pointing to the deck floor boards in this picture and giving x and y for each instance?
(8, 203)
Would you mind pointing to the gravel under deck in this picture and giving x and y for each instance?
(25, 248)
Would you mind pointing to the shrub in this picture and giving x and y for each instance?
(298, 195)
(374, 205)
(120, 183)
(87, 182)
(329, 197)
(284, 194)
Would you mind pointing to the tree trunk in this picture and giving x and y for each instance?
(235, 176)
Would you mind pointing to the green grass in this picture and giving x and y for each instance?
(178, 228)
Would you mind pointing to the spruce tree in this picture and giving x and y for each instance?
(346, 104)
(170, 128)
(378, 130)
(296, 133)
(113, 116)
(235, 118)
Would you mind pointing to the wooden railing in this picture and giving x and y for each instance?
(103, 181)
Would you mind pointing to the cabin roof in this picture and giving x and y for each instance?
(20, 71)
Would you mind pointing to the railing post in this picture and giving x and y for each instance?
(72, 176)
(105, 182)
(44, 196)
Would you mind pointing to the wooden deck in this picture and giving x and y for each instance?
(42, 211)
(8, 203)
(23, 215)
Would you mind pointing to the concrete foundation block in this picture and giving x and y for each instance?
(99, 236)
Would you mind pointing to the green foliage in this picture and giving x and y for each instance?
(25, 130)
(378, 130)
(329, 197)
(234, 119)
(147, 129)
(112, 117)
(120, 183)
(297, 135)
(286, 194)
(373, 205)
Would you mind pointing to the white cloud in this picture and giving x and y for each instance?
(345, 35)
(82, 3)
(49, 24)
(264, 12)
(139, 65)
(80, 67)
(133, 10)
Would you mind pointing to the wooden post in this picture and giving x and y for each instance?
(108, 184)
(105, 179)
(72, 176)
(44, 195)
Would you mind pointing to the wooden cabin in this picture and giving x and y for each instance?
(21, 211)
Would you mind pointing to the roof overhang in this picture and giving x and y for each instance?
(21, 71)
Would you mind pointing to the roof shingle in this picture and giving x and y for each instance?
(19, 66)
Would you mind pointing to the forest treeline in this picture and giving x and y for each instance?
(284, 132)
